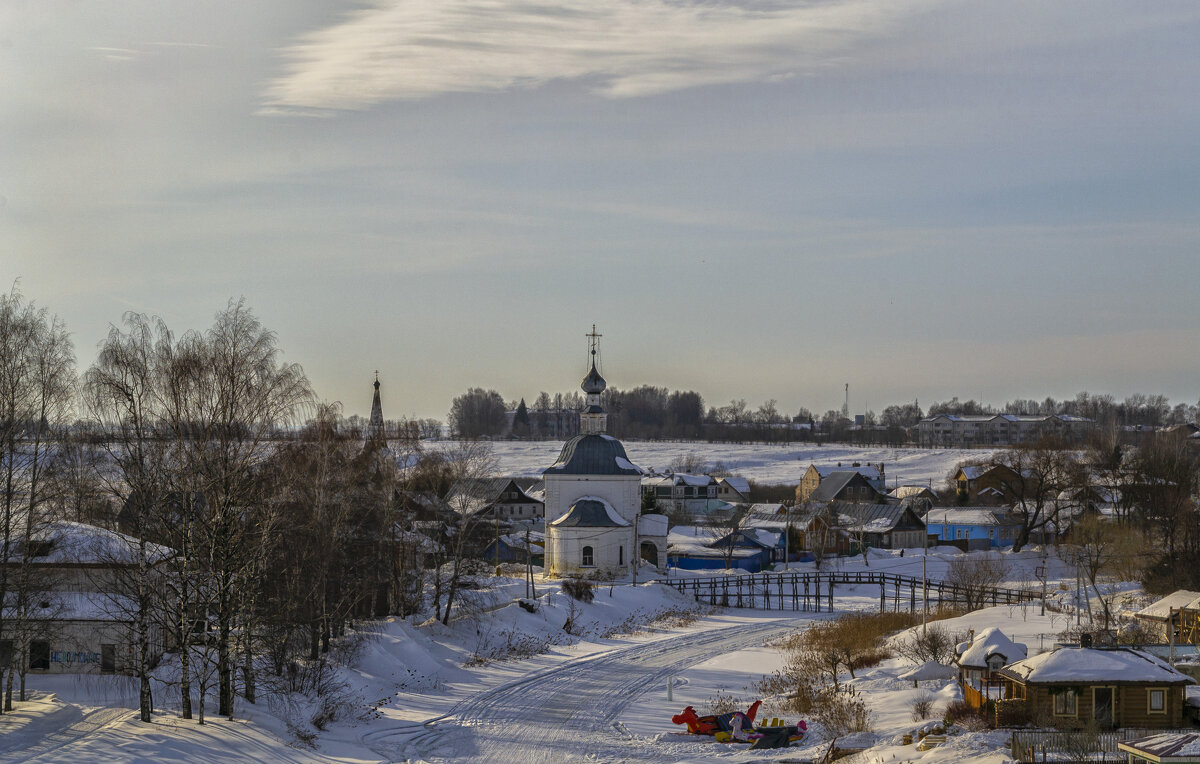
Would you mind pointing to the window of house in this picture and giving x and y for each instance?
(39, 655)
(1158, 701)
(620, 555)
(588, 559)
(1064, 703)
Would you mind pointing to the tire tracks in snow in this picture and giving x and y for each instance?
(569, 712)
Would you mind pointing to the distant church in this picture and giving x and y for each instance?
(594, 525)
(375, 423)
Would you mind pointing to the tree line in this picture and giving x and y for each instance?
(650, 412)
(248, 552)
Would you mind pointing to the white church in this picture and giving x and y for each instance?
(594, 524)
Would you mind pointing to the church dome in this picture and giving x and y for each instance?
(591, 512)
(593, 455)
(593, 383)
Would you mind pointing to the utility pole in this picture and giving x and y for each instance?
(924, 599)
(787, 536)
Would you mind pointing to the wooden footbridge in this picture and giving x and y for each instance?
(814, 591)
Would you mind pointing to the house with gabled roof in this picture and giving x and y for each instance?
(506, 500)
(1081, 687)
(984, 654)
(973, 528)
(846, 486)
(80, 617)
(816, 474)
(882, 526)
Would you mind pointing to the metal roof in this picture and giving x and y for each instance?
(592, 455)
(590, 513)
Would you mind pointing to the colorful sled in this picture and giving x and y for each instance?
(714, 723)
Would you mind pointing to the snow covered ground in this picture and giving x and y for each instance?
(511, 685)
(761, 462)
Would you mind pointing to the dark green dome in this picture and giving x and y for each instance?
(593, 455)
(593, 383)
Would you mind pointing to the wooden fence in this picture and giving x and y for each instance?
(814, 591)
(1034, 747)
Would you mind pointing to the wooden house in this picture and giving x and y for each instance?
(1080, 687)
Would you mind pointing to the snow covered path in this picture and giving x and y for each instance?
(572, 712)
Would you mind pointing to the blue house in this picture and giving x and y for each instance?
(752, 550)
(973, 527)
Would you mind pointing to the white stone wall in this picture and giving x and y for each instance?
(564, 551)
(621, 491)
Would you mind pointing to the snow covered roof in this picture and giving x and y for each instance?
(868, 518)
(989, 642)
(832, 485)
(593, 455)
(766, 509)
(591, 512)
(972, 472)
(905, 491)
(969, 516)
(869, 471)
(927, 670)
(73, 543)
(1076, 665)
(1168, 746)
(739, 484)
(1160, 610)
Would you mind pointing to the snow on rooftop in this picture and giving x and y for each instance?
(869, 471)
(1170, 746)
(989, 642)
(1161, 609)
(79, 543)
(1073, 665)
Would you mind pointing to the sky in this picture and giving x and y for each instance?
(754, 199)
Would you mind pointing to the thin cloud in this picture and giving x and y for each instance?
(406, 49)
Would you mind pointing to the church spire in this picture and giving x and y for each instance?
(375, 425)
(593, 420)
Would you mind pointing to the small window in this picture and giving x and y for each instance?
(1158, 701)
(1064, 703)
(620, 555)
(588, 559)
(39, 656)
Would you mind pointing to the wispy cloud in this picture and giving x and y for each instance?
(411, 49)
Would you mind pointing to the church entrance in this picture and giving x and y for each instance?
(650, 553)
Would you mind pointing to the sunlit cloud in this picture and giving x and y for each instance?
(400, 49)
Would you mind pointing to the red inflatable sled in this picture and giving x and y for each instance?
(714, 723)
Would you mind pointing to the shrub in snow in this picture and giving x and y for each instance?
(934, 643)
(578, 589)
(922, 707)
(960, 713)
(723, 704)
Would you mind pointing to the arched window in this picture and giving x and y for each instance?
(620, 555)
(587, 557)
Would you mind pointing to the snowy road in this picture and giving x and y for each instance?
(572, 712)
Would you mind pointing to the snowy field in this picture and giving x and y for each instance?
(510, 685)
(761, 462)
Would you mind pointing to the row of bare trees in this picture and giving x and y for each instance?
(37, 377)
(251, 553)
